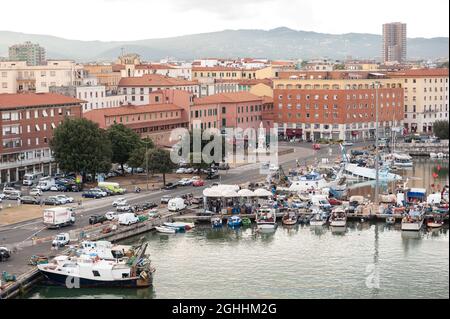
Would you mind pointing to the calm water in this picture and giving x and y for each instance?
(365, 261)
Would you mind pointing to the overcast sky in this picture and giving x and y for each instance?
(146, 19)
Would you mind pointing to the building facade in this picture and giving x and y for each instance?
(426, 98)
(17, 76)
(32, 53)
(27, 122)
(342, 109)
(394, 42)
(108, 75)
(137, 89)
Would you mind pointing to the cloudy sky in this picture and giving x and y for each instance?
(145, 19)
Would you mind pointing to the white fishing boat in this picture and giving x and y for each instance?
(86, 271)
(402, 160)
(103, 249)
(266, 218)
(311, 181)
(180, 226)
(338, 217)
(165, 230)
(290, 218)
(413, 221)
(362, 173)
(319, 219)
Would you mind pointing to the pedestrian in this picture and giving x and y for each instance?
(18, 201)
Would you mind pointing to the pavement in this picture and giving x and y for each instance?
(18, 236)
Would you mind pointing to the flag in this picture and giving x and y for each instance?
(435, 175)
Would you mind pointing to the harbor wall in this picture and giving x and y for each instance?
(423, 149)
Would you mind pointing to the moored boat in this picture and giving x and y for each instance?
(266, 218)
(413, 221)
(234, 221)
(246, 222)
(216, 222)
(290, 218)
(435, 222)
(390, 220)
(319, 219)
(338, 218)
(165, 230)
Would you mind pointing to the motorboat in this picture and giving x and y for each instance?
(180, 226)
(234, 221)
(413, 221)
(311, 181)
(216, 222)
(103, 249)
(402, 160)
(390, 220)
(338, 218)
(290, 218)
(246, 222)
(435, 222)
(361, 173)
(165, 230)
(86, 271)
(319, 218)
(266, 218)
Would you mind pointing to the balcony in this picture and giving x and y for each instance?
(26, 162)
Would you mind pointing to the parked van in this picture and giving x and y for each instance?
(46, 183)
(128, 219)
(113, 187)
(176, 205)
(31, 179)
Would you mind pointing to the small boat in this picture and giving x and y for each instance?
(246, 222)
(234, 221)
(435, 222)
(413, 221)
(216, 222)
(390, 220)
(180, 226)
(338, 218)
(166, 230)
(403, 160)
(290, 218)
(319, 219)
(266, 218)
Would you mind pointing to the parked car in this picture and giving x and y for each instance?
(154, 214)
(198, 183)
(58, 188)
(13, 195)
(90, 194)
(213, 175)
(334, 202)
(30, 200)
(181, 170)
(61, 240)
(197, 200)
(98, 190)
(119, 201)
(123, 208)
(170, 186)
(5, 254)
(35, 192)
(165, 199)
(112, 215)
(97, 219)
(65, 199)
(52, 200)
(185, 182)
(149, 205)
(189, 170)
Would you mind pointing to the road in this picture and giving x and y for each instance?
(15, 235)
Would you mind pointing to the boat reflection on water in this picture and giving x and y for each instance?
(340, 231)
(55, 292)
(319, 230)
(291, 229)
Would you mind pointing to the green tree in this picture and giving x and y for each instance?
(440, 129)
(80, 146)
(123, 142)
(137, 157)
(158, 161)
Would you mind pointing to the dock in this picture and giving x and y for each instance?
(424, 149)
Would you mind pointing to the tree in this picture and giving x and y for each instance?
(440, 129)
(158, 161)
(137, 158)
(80, 146)
(123, 142)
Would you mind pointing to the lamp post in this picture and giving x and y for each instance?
(377, 164)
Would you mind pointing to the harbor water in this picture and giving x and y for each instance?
(365, 260)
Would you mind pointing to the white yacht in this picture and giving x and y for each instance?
(402, 160)
(361, 173)
(338, 218)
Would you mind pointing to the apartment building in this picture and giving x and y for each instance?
(426, 98)
(32, 53)
(27, 123)
(179, 71)
(231, 110)
(167, 110)
(95, 95)
(108, 75)
(394, 42)
(17, 76)
(338, 109)
(137, 89)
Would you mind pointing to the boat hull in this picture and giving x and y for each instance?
(338, 223)
(317, 223)
(266, 226)
(289, 222)
(434, 225)
(412, 226)
(65, 281)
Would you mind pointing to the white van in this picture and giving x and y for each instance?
(46, 183)
(128, 219)
(176, 205)
(31, 179)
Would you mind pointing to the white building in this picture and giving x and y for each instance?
(17, 76)
(179, 71)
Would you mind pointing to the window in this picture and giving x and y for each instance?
(96, 273)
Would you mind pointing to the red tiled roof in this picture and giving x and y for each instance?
(236, 97)
(154, 80)
(118, 67)
(419, 73)
(215, 69)
(35, 99)
(153, 67)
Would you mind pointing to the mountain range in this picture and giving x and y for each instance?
(279, 43)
